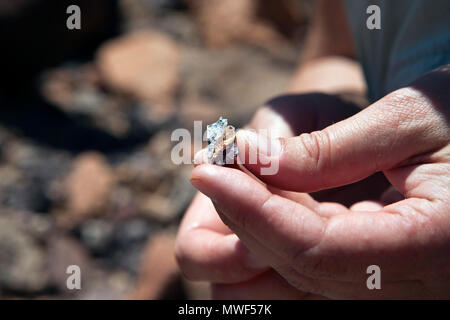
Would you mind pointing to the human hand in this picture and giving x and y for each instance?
(325, 248)
(208, 250)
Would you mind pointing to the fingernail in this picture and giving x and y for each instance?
(255, 263)
(201, 157)
(265, 145)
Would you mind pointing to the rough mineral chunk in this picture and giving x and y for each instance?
(222, 146)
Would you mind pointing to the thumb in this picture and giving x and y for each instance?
(380, 137)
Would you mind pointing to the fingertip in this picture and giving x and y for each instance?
(201, 175)
(203, 171)
(201, 157)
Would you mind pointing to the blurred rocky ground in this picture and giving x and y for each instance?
(85, 124)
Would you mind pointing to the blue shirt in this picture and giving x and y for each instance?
(414, 38)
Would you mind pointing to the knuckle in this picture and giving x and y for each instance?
(315, 144)
(318, 148)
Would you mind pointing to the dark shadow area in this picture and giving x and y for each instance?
(436, 87)
(318, 110)
(35, 36)
(46, 124)
(371, 188)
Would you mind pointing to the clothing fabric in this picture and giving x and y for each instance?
(414, 38)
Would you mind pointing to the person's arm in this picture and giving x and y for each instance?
(327, 63)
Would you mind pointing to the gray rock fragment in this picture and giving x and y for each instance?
(222, 147)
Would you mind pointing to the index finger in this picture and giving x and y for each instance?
(284, 224)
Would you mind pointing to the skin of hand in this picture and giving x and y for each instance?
(208, 250)
(324, 248)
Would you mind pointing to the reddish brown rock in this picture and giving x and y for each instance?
(159, 269)
(63, 251)
(144, 64)
(224, 22)
(88, 185)
(261, 22)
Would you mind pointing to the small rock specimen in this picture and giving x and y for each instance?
(89, 184)
(159, 271)
(143, 63)
(222, 146)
